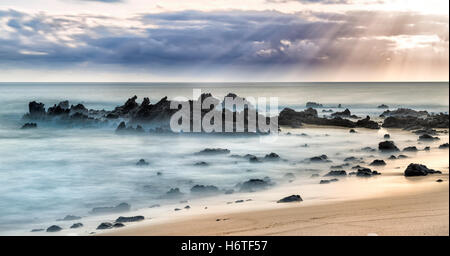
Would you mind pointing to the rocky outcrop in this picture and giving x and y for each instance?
(345, 113)
(418, 170)
(366, 172)
(404, 112)
(417, 122)
(427, 137)
(290, 117)
(318, 159)
(410, 149)
(77, 225)
(383, 106)
(445, 145)
(272, 157)
(105, 225)
(313, 105)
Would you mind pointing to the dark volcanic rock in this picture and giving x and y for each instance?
(367, 123)
(327, 181)
(392, 157)
(322, 158)
(352, 131)
(445, 145)
(54, 228)
(272, 156)
(404, 112)
(254, 185)
(77, 225)
(387, 136)
(402, 156)
(378, 162)
(427, 137)
(313, 105)
(414, 123)
(289, 199)
(142, 162)
(202, 189)
(118, 225)
(345, 113)
(105, 225)
(427, 148)
(122, 207)
(36, 110)
(130, 219)
(29, 126)
(309, 116)
(387, 146)
(410, 149)
(383, 106)
(439, 180)
(336, 173)
(366, 172)
(418, 170)
(213, 151)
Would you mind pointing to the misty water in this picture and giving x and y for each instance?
(53, 171)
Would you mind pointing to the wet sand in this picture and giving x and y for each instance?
(421, 212)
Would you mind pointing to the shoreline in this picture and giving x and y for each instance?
(423, 212)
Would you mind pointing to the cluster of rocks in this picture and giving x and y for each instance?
(290, 117)
(409, 119)
(418, 170)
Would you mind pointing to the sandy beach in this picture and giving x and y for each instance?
(422, 213)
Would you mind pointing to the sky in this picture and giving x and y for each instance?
(224, 40)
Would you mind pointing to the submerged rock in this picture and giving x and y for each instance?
(410, 149)
(387, 136)
(427, 137)
(327, 181)
(142, 162)
(122, 207)
(313, 105)
(387, 146)
(105, 225)
(383, 106)
(201, 163)
(418, 170)
(378, 162)
(130, 219)
(202, 189)
(321, 158)
(54, 228)
(336, 173)
(366, 172)
(173, 192)
(77, 225)
(213, 151)
(118, 225)
(254, 185)
(37, 230)
(445, 145)
(289, 199)
(272, 156)
(29, 126)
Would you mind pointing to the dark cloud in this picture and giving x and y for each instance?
(243, 38)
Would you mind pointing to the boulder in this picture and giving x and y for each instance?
(130, 219)
(289, 199)
(366, 172)
(445, 145)
(54, 228)
(427, 137)
(367, 123)
(70, 218)
(378, 162)
(77, 225)
(142, 162)
(105, 225)
(254, 185)
(36, 110)
(387, 146)
(418, 170)
(272, 157)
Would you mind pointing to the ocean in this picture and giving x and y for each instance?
(50, 172)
